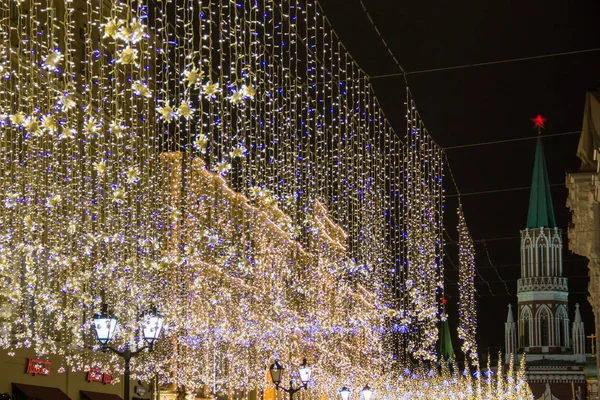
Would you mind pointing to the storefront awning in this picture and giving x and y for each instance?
(85, 395)
(32, 392)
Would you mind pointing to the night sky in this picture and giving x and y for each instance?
(482, 104)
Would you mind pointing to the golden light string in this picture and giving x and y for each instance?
(467, 312)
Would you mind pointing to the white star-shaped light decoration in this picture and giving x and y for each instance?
(67, 133)
(52, 60)
(119, 195)
(238, 151)
(28, 222)
(100, 167)
(201, 142)
(91, 126)
(111, 27)
(32, 125)
(128, 56)
(49, 123)
(223, 167)
(53, 201)
(18, 118)
(141, 89)
(117, 128)
(166, 112)
(185, 110)
(248, 91)
(192, 77)
(211, 89)
(66, 102)
(237, 97)
(133, 175)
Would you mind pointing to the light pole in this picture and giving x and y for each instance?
(105, 326)
(277, 370)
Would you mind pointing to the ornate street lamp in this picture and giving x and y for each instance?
(276, 371)
(345, 393)
(105, 326)
(367, 392)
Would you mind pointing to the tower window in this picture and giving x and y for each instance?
(544, 328)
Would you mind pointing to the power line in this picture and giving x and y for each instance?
(499, 190)
(476, 270)
(389, 50)
(463, 146)
(481, 64)
(494, 239)
(495, 269)
(570, 260)
(456, 268)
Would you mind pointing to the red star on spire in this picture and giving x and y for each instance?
(538, 122)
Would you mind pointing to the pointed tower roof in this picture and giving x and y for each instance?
(541, 212)
(509, 317)
(446, 349)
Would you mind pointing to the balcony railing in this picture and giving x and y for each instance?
(542, 283)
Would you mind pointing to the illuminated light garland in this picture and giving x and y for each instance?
(226, 162)
(467, 309)
(427, 383)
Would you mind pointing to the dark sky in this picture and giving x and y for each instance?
(487, 103)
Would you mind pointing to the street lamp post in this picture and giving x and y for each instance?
(105, 326)
(277, 371)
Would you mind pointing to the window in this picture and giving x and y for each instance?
(525, 339)
(562, 323)
(542, 261)
(544, 321)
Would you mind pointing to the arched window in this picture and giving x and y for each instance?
(525, 327)
(527, 262)
(543, 320)
(562, 324)
(542, 259)
(544, 330)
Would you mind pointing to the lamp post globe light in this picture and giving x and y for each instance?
(345, 393)
(367, 392)
(105, 327)
(276, 371)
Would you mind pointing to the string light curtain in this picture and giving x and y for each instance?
(227, 162)
(467, 311)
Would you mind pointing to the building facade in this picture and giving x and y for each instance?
(584, 203)
(555, 348)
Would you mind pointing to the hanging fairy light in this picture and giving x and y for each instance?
(467, 312)
(228, 164)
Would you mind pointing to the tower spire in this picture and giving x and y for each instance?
(541, 212)
(510, 336)
(578, 334)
